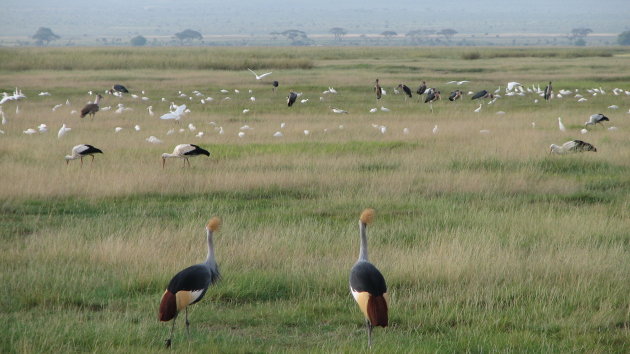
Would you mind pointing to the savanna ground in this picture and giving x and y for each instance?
(487, 242)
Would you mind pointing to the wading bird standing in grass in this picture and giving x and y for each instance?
(571, 146)
(548, 92)
(291, 98)
(259, 77)
(561, 126)
(422, 88)
(274, 86)
(184, 151)
(190, 285)
(597, 119)
(455, 95)
(91, 108)
(378, 90)
(367, 284)
(406, 90)
(62, 131)
(83, 150)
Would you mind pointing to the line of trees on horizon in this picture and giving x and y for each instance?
(577, 36)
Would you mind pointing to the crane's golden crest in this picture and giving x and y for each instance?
(214, 224)
(367, 215)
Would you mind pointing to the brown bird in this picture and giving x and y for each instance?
(91, 108)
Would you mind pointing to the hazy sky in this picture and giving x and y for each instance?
(124, 18)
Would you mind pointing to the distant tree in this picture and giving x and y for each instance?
(624, 38)
(188, 35)
(297, 37)
(581, 32)
(448, 33)
(416, 36)
(389, 34)
(138, 41)
(338, 32)
(44, 35)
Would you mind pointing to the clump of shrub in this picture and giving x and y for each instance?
(471, 56)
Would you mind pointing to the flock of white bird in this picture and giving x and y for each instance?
(178, 111)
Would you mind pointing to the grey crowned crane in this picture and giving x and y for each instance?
(190, 285)
(119, 88)
(82, 150)
(455, 95)
(291, 98)
(571, 146)
(91, 108)
(597, 119)
(184, 151)
(378, 90)
(422, 88)
(548, 92)
(405, 89)
(367, 284)
(482, 94)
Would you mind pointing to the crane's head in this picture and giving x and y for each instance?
(214, 224)
(367, 216)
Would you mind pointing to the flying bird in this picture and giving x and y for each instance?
(184, 151)
(259, 77)
(571, 147)
(367, 284)
(82, 150)
(91, 108)
(190, 285)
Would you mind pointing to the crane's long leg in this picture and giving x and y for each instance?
(91, 162)
(81, 161)
(170, 337)
(187, 323)
(368, 325)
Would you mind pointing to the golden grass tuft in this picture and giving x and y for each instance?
(214, 224)
(367, 216)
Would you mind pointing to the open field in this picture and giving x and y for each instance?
(487, 242)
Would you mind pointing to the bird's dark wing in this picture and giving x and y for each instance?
(196, 277)
(479, 94)
(91, 150)
(583, 146)
(275, 84)
(407, 90)
(292, 98)
(365, 277)
(421, 89)
(121, 88)
(197, 151)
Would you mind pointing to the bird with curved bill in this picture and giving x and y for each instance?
(190, 285)
(367, 284)
(184, 151)
(79, 151)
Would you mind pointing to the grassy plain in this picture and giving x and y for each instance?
(487, 242)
